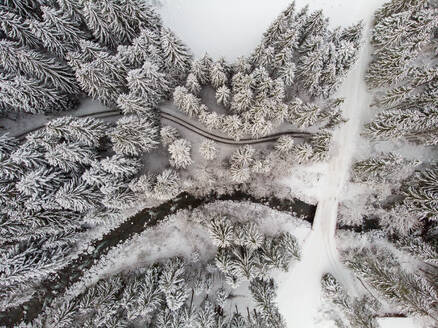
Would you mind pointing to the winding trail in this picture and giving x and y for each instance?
(300, 293)
(191, 127)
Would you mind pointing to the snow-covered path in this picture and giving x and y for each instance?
(299, 294)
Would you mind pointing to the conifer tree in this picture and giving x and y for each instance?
(218, 74)
(221, 232)
(21, 60)
(149, 83)
(176, 55)
(421, 193)
(186, 102)
(321, 145)
(88, 131)
(40, 182)
(263, 293)
(7, 145)
(143, 47)
(68, 30)
(70, 156)
(167, 185)
(169, 134)
(201, 68)
(172, 283)
(359, 312)
(377, 267)
(134, 136)
(180, 154)
(192, 84)
(31, 96)
(382, 168)
(77, 196)
(208, 150)
(223, 95)
(15, 27)
(121, 166)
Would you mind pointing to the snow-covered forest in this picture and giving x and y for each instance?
(153, 178)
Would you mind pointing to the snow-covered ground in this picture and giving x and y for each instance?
(232, 28)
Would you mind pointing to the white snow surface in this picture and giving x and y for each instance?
(235, 33)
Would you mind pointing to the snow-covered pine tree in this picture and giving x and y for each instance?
(37, 65)
(77, 196)
(243, 156)
(284, 145)
(72, 9)
(219, 73)
(68, 30)
(169, 134)
(103, 20)
(88, 131)
(167, 185)
(133, 104)
(200, 67)
(309, 71)
(385, 167)
(177, 57)
(8, 145)
(221, 232)
(149, 84)
(192, 84)
(120, 166)
(41, 182)
(180, 157)
(134, 136)
(320, 143)
(185, 101)
(31, 96)
(15, 27)
(358, 312)
(142, 295)
(411, 125)
(102, 78)
(421, 192)
(172, 283)
(50, 38)
(223, 95)
(70, 156)
(264, 293)
(143, 47)
(378, 267)
(23, 8)
(88, 52)
(303, 115)
(242, 100)
(396, 6)
(230, 124)
(248, 235)
(277, 252)
(314, 25)
(208, 150)
(245, 263)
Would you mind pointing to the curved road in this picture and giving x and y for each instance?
(193, 128)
